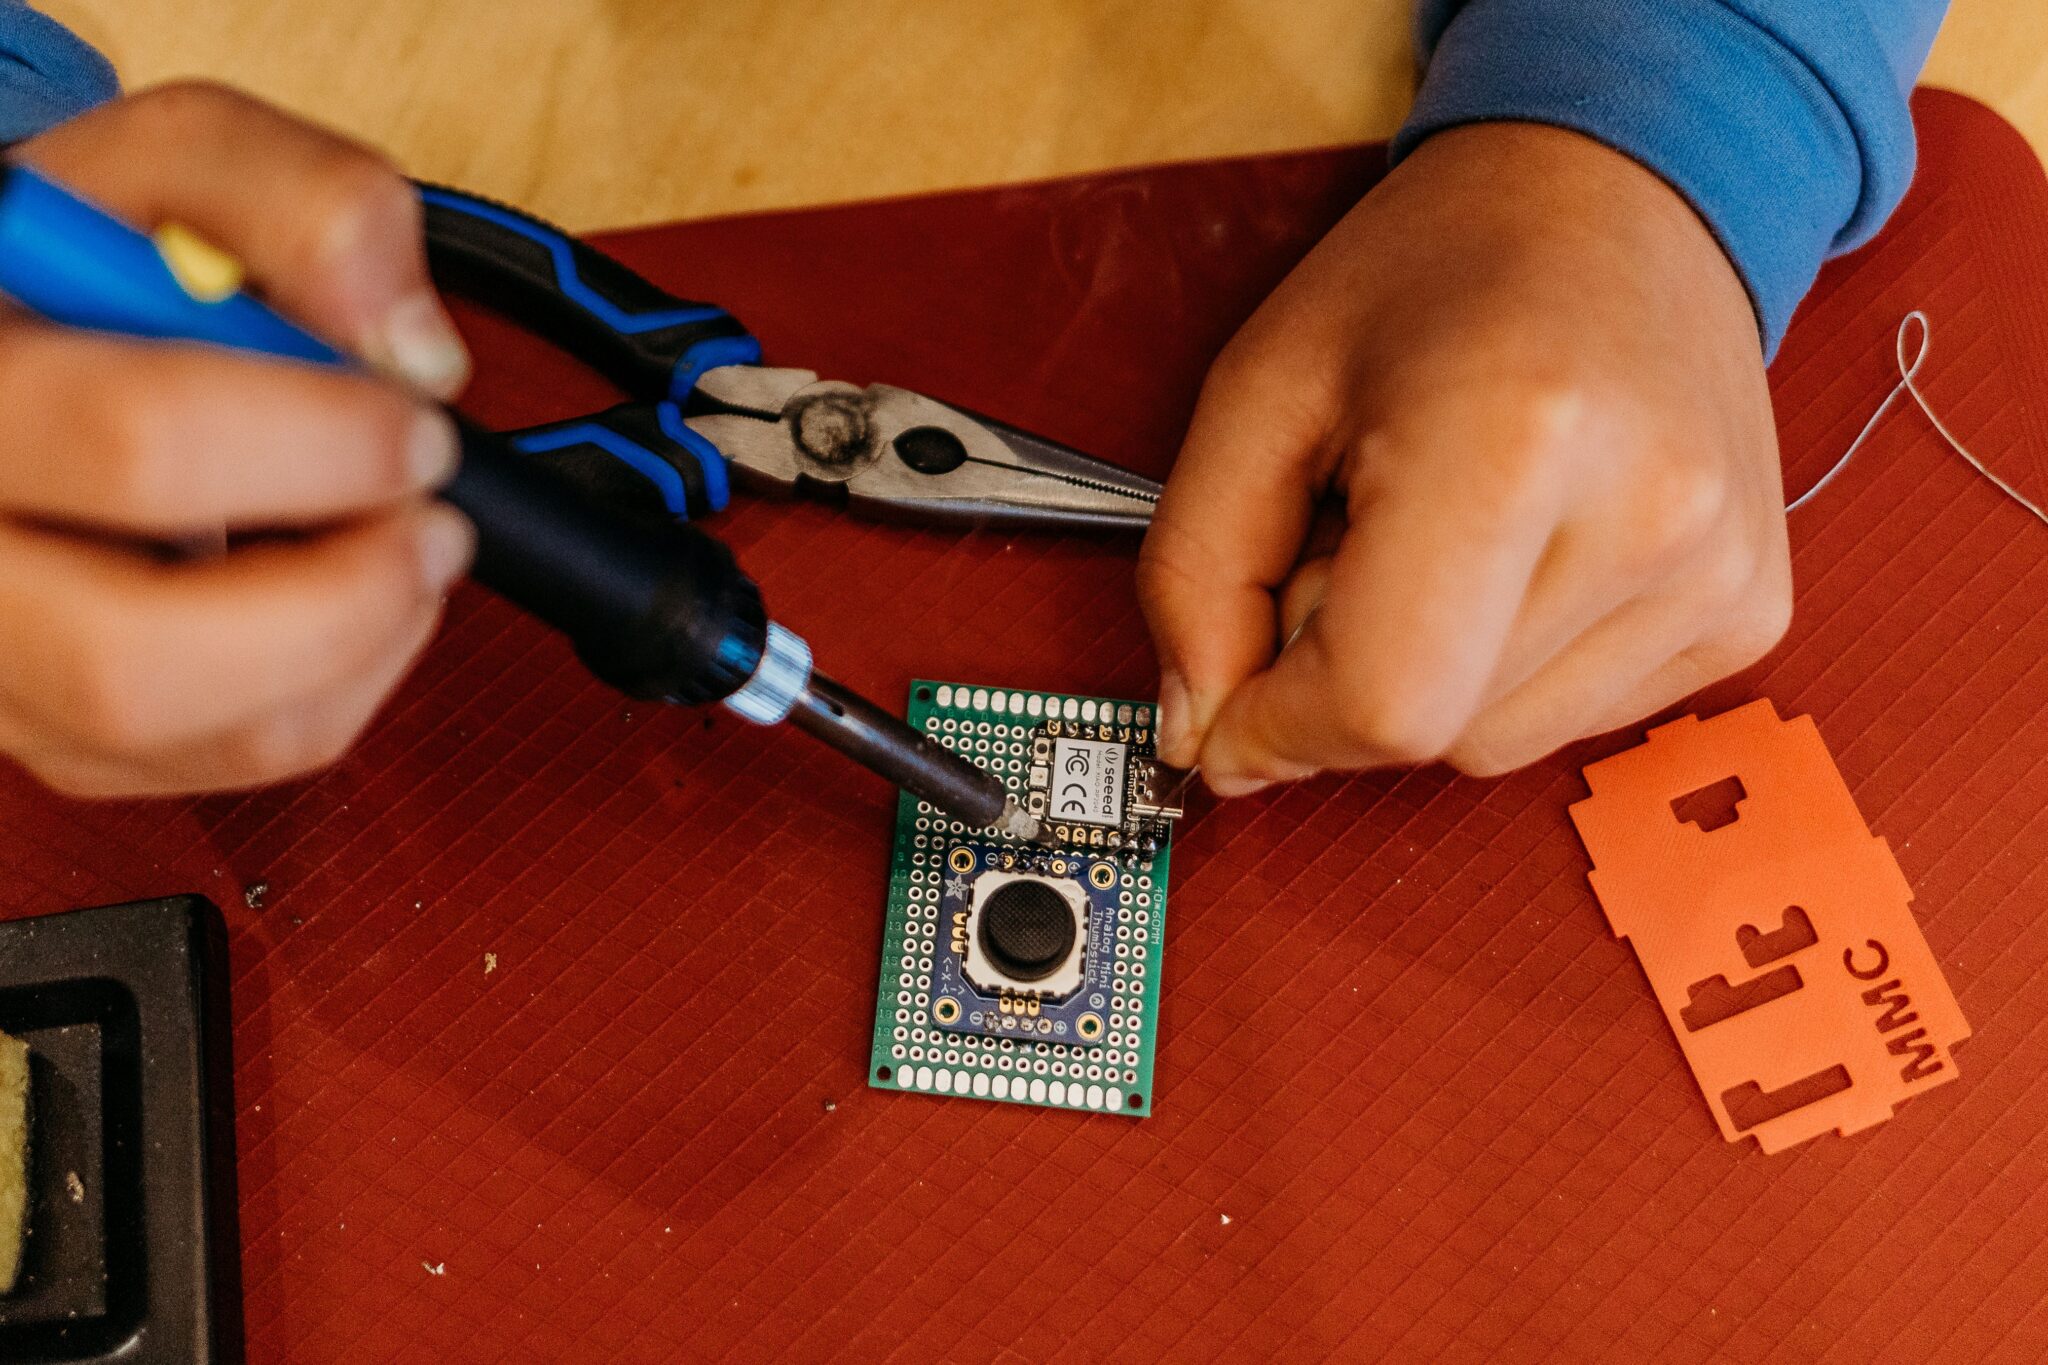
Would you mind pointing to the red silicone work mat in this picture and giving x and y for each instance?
(551, 1029)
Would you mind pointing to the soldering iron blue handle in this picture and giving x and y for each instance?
(646, 340)
(66, 259)
(657, 610)
(62, 257)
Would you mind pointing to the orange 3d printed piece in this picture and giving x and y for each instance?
(1773, 925)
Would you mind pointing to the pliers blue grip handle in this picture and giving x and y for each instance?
(651, 343)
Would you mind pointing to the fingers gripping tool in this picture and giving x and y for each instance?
(654, 606)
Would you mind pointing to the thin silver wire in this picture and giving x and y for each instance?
(1909, 371)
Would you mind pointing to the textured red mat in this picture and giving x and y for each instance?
(1414, 1099)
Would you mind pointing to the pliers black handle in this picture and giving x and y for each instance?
(878, 451)
(637, 456)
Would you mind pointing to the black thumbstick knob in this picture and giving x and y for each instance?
(1027, 930)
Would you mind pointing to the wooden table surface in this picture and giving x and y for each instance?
(602, 113)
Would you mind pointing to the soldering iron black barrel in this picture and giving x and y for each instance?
(917, 763)
(656, 610)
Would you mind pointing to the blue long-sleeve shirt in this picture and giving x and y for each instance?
(46, 74)
(1784, 122)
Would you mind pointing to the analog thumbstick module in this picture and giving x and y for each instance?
(1027, 930)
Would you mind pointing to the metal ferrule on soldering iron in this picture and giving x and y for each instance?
(658, 610)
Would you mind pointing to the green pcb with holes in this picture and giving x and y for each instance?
(1021, 973)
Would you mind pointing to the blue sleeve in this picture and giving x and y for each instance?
(46, 73)
(1784, 122)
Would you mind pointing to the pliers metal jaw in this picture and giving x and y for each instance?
(893, 454)
(700, 402)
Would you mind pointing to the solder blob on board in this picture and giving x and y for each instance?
(1016, 972)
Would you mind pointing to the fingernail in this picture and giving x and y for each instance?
(1236, 786)
(446, 542)
(431, 449)
(422, 347)
(1173, 718)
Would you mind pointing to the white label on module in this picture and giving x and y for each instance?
(1088, 781)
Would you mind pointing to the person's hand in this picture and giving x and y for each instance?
(128, 671)
(1522, 387)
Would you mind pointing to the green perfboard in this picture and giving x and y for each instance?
(994, 727)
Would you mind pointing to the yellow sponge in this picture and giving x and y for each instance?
(13, 1156)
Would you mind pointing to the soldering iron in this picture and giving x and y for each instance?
(656, 609)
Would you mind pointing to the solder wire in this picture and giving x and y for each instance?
(1188, 778)
(1909, 372)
